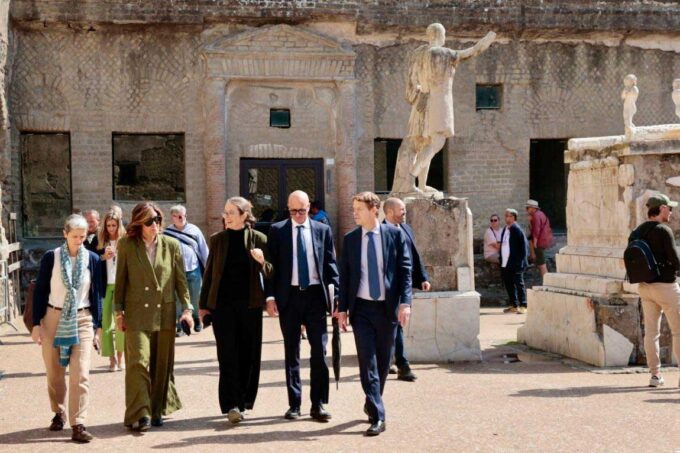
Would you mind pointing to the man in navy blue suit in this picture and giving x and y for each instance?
(375, 296)
(303, 255)
(395, 214)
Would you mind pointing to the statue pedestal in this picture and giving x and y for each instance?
(444, 323)
(586, 310)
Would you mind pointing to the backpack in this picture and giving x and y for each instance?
(641, 266)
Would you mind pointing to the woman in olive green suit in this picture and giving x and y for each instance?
(233, 293)
(149, 273)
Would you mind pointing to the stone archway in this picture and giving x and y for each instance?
(278, 53)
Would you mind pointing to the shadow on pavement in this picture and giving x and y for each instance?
(573, 392)
(291, 435)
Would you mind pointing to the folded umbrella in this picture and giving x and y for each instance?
(336, 344)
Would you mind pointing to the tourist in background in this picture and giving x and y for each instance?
(92, 218)
(492, 240)
(233, 295)
(318, 214)
(149, 275)
(662, 295)
(395, 215)
(113, 339)
(514, 252)
(67, 321)
(540, 236)
(195, 254)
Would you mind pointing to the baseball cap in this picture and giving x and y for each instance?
(659, 200)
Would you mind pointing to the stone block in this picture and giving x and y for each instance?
(465, 279)
(444, 327)
(587, 283)
(567, 324)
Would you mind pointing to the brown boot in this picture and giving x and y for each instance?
(57, 422)
(80, 434)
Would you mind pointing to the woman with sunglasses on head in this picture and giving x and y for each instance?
(149, 273)
(233, 295)
(111, 230)
(492, 240)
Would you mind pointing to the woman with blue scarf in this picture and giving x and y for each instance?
(67, 306)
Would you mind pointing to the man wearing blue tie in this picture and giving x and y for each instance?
(375, 296)
(303, 255)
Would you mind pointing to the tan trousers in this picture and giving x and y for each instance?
(79, 366)
(658, 298)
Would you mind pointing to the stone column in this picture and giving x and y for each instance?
(214, 150)
(346, 154)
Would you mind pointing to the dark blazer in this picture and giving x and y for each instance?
(419, 274)
(519, 248)
(396, 267)
(219, 246)
(146, 291)
(92, 246)
(281, 252)
(41, 294)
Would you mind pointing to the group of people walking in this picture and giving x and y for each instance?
(116, 286)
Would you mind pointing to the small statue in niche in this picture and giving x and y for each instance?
(629, 96)
(676, 96)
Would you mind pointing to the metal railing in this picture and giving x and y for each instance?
(10, 270)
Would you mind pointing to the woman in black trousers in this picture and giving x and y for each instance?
(233, 294)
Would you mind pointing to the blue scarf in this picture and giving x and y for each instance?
(67, 330)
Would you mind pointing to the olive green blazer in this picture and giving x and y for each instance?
(146, 292)
(219, 245)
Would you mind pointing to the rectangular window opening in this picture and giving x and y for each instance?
(279, 118)
(489, 96)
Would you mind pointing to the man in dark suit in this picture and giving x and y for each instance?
(91, 240)
(395, 214)
(514, 252)
(375, 295)
(303, 256)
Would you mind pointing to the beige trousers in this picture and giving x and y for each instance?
(79, 366)
(660, 298)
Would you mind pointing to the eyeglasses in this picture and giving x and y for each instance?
(158, 219)
(297, 211)
(494, 220)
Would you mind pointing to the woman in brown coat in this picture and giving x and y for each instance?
(233, 294)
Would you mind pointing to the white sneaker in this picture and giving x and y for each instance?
(656, 381)
(234, 415)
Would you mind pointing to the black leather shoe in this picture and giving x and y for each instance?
(57, 422)
(405, 374)
(376, 428)
(292, 413)
(157, 421)
(370, 419)
(81, 435)
(320, 414)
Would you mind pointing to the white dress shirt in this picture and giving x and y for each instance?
(57, 288)
(364, 291)
(311, 264)
(505, 246)
(111, 264)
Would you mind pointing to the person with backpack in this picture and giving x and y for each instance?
(195, 254)
(659, 292)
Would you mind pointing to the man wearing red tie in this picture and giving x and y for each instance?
(375, 296)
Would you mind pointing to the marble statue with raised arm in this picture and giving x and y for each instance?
(629, 96)
(429, 91)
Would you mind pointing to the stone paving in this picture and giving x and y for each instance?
(537, 404)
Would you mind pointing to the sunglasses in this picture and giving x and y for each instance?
(158, 219)
(494, 220)
(297, 211)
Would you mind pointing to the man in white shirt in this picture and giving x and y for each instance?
(195, 254)
(303, 255)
